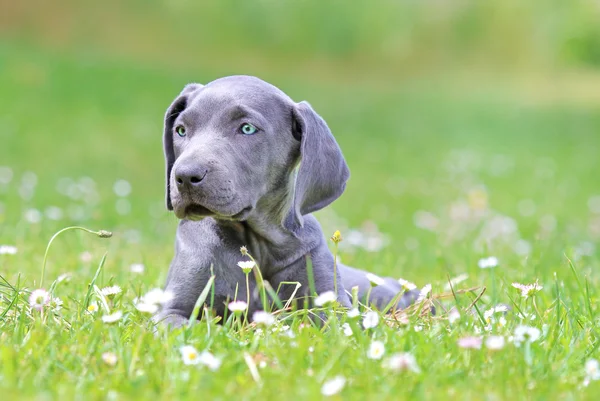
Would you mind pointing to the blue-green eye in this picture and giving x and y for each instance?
(180, 129)
(248, 129)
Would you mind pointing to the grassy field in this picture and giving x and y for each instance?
(449, 167)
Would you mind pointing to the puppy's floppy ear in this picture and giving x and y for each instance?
(178, 105)
(323, 172)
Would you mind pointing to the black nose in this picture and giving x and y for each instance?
(189, 176)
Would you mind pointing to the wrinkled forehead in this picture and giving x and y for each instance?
(233, 92)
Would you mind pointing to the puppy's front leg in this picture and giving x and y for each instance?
(185, 282)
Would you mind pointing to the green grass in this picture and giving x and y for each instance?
(479, 159)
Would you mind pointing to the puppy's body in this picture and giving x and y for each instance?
(232, 150)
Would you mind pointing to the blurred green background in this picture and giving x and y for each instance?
(470, 128)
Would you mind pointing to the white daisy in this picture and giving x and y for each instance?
(376, 350)
(528, 290)
(110, 291)
(424, 293)
(237, 306)
(56, 304)
(189, 355)
(401, 362)
(109, 358)
(92, 307)
(209, 360)
(525, 334)
(456, 280)
(137, 268)
(494, 343)
(39, 298)
(370, 320)
(263, 318)
(352, 313)
(489, 317)
(246, 265)
(374, 279)
(347, 329)
(8, 250)
(333, 386)
(470, 342)
(157, 296)
(453, 315)
(146, 307)
(113, 317)
(592, 371)
(407, 285)
(487, 263)
(64, 277)
(325, 298)
(86, 257)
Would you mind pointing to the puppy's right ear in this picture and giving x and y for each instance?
(178, 105)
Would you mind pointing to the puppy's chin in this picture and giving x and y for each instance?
(192, 212)
(197, 212)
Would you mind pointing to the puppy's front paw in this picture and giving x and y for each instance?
(170, 320)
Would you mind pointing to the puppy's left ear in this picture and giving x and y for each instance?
(323, 172)
(178, 105)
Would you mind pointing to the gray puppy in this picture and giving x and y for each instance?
(246, 166)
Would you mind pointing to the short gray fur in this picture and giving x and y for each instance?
(231, 190)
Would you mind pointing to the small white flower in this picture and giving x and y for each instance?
(453, 315)
(592, 371)
(526, 316)
(418, 328)
(424, 293)
(470, 342)
(487, 263)
(352, 313)
(456, 280)
(374, 279)
(64, 277)
(407, 285)
(333, 386)
(137, 268)
(347, 329)
(109, 358)
(113, 317)
(189, 355)
(85, 257)
(110, 291)
(528, 290)
(157, 296)
(56, 304)
(488, 315)
(39, 298)
(526, 334)
(264, 318)
(370, 320)
(494, 343)
(146, 307)
(401, 362)
(246, 265)
(92, 307)
(209, 360)
(8, 250)
(237, 306)
(325, 298)
(376, 350)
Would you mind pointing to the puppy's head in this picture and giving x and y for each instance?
(236, 142)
